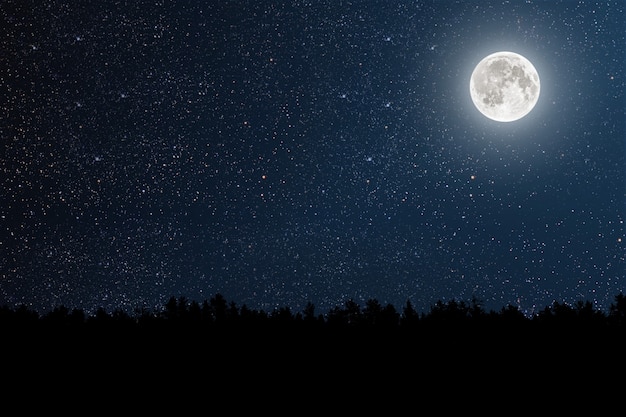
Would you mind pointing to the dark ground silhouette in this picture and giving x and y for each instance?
(456, 347)
(218, 321)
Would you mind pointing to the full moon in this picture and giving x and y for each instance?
(504, 86)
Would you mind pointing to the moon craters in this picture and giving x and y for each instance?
(504, 86)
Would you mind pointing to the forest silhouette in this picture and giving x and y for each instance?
(220, 338)
(220, 317)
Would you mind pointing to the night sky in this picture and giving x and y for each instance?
(285, 152)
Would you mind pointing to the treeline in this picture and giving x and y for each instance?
(219, 313)
(217, 337)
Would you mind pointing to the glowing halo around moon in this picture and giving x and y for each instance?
(504, 86)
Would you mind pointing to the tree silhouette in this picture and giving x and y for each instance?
(218, 319)
(409, 317)
(218, 306)
(617, 310)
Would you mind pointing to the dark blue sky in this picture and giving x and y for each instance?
(286, 152)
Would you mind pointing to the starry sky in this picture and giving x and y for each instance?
(285, 152)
